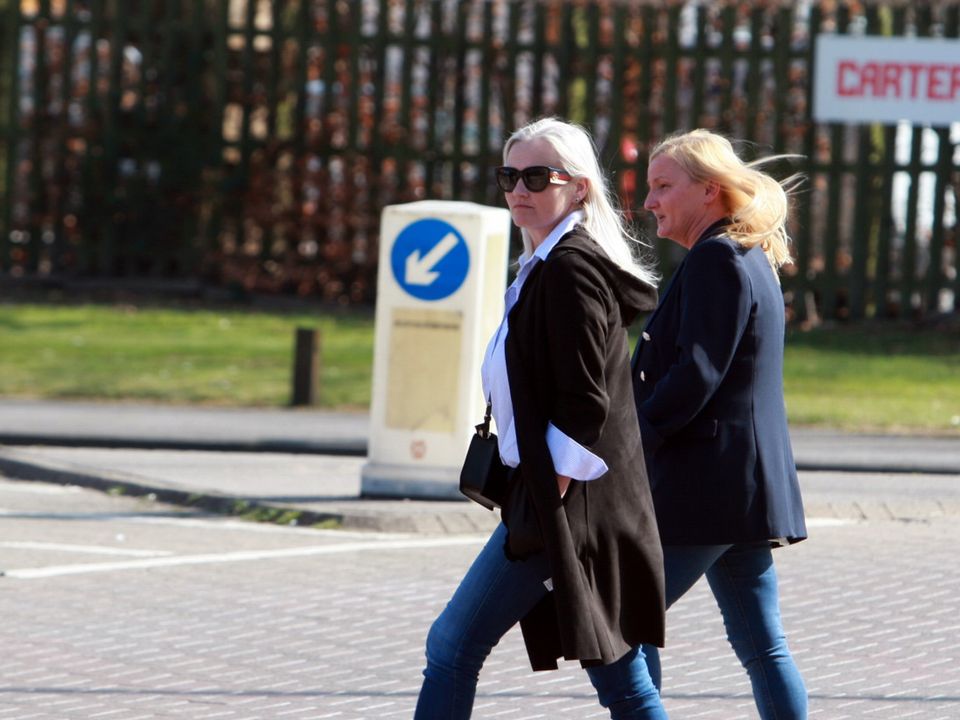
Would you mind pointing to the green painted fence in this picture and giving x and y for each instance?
(251, 144)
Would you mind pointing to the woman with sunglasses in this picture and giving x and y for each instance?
(587, 583)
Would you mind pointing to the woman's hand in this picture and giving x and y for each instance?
(563, 482)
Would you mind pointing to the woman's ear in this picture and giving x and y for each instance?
(582, 186)
(712, 191)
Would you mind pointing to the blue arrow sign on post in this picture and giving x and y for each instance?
(430, 259)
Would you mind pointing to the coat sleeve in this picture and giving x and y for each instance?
(715, 308)
(577, 300)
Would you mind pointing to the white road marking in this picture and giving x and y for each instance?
(244, 556)
(88, 549)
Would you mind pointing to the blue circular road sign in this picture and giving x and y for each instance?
(430, 259)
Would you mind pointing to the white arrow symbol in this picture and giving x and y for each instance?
(419, 270)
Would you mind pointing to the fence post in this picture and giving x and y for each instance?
(306, 365)
(9, 90)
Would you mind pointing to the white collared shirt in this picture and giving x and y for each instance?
(570, 458)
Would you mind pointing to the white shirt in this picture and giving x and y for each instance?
(570, 458)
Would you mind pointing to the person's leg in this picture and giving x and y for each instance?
(491, 598)
(626, 690)
(683, 565)
(744, 582)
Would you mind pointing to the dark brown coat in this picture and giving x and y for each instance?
(568, 363)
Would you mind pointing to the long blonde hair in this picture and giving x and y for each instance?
(578, 155)
(757, 204)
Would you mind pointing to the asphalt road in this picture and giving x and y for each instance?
(125, 609)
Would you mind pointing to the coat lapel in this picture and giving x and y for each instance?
(663, 302)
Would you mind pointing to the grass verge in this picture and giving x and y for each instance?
(885, 378)
(875, 378)
(177, 356)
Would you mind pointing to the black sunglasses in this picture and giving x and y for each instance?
(535, 178)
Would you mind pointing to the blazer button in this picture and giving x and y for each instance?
(646, 336)
(643, 376)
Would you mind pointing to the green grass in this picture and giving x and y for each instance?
(874, 378)
(177, 356)
(867, 378)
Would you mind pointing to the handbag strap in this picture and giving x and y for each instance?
(483, 429)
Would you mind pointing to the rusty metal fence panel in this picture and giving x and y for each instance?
(251, 144)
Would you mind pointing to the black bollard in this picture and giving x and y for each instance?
(306, 362)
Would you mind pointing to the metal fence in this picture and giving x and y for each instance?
(251, 144)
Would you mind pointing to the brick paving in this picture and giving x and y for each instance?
(870, 602)
(871, 610)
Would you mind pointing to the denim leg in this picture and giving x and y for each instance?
(744, 582)
(683, 565)
(491, 598)
(626, 690)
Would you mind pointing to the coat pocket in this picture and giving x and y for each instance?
(700, 429)
(520, 518)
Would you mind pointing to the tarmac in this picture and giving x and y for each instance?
(302, 466)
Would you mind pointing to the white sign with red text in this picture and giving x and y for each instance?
(886, 80)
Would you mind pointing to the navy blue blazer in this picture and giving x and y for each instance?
(708, 383)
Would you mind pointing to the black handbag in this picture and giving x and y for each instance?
(483, 477)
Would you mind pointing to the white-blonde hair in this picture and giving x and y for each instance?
(578, 156)
(757, 204)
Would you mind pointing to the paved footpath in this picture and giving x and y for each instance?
(139, 425)
(202, 617)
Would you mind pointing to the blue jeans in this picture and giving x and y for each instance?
(493, 596)
(744, 583)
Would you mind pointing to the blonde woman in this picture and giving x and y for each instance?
(584, 579)
(708, 383)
